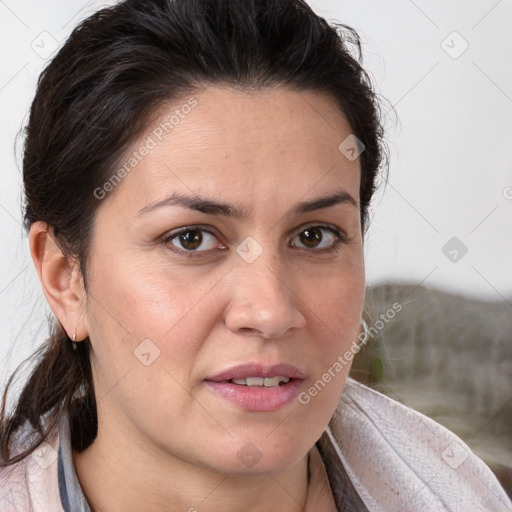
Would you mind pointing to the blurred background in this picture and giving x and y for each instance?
(440, 241)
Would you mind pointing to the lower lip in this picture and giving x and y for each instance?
(258, 398)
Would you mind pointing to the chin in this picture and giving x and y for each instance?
(262, 456)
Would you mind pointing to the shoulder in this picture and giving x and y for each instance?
(399, 459)
(31, 485)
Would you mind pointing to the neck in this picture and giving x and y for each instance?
(117, 474)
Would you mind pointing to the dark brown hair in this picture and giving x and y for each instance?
(97, 95)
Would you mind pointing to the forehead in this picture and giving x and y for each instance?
(264, 145)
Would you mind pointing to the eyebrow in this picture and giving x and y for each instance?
(212, 207)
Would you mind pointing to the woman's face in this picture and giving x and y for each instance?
(262, 274)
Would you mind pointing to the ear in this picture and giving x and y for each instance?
(61, 279)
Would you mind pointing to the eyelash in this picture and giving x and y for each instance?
(340, 239)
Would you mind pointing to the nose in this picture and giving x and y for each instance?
(263, 302)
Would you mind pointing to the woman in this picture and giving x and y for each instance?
(197, 178)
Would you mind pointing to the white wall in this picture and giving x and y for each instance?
(451, 167)
(451, 160)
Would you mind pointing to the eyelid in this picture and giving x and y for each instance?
(337, 231)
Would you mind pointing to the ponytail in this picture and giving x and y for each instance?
(60, 383)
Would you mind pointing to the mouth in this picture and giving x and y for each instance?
(255, 374)
(258, 388)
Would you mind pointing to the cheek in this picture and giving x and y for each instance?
(148, 328)
(151, 315)
(335, 309)
(335, 300)
(144, 300)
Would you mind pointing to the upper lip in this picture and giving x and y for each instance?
(243, 371)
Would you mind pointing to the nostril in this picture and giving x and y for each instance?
(248, 330)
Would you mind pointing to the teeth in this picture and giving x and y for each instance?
(255, 381)
(268, 382)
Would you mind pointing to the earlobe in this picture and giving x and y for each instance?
(60, 279)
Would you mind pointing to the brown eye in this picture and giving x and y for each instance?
(311, 237)
(193, 240)
(190, 240)
(318, 237)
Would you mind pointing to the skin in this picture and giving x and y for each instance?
(166, 441)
